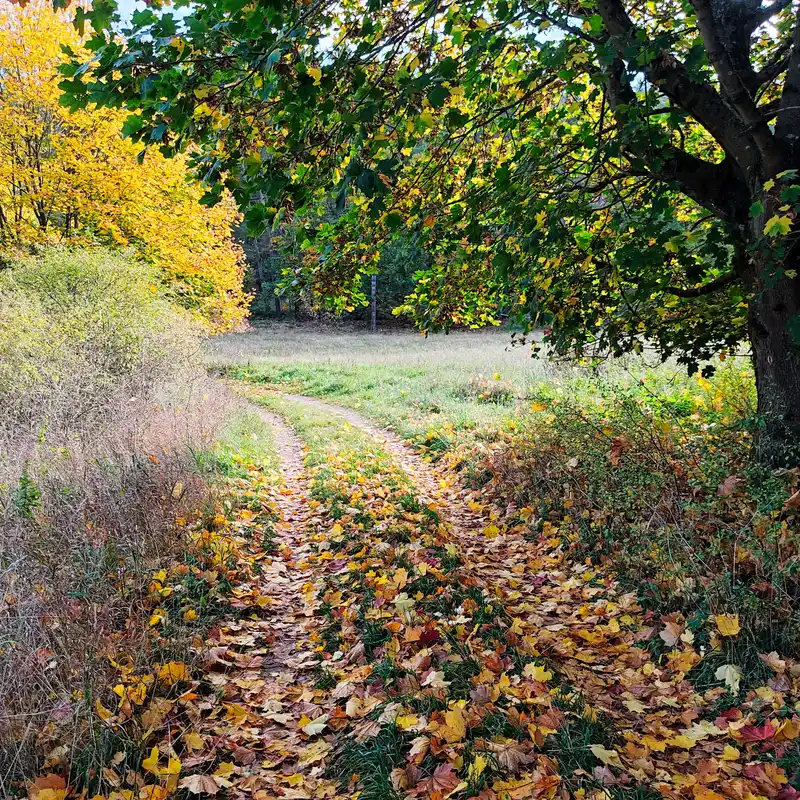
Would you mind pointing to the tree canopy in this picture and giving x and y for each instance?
(72, 178)
(622, 173)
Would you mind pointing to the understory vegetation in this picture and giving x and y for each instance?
(636, 467)
(108, 456)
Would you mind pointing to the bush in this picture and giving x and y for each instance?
(100, 417)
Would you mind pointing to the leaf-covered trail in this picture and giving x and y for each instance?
(619, 720)
(395, 635)
(263, 661)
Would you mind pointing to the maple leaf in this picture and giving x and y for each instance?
(774, 662)
(312, 727)
(704, 793)
(444, 781)
(194, 741)
(671, 633)
(435, 679)
(455, 727)
(763, 733)
(511, 755)
(608, 757)
(537, 673)
(173, 672)
(199, 784)
(728, 624)
(731, 675)
(730, 753)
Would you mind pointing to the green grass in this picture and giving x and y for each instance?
(543, 436)
(246, 440)
(440, 390)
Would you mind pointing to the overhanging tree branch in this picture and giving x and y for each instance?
(706, 288)
(787, 124)
(762, 15)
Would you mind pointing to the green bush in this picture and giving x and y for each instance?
(75, 325)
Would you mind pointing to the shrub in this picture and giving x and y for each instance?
(100, 416)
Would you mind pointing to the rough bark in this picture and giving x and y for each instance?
(774, 310)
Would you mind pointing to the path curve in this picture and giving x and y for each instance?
(419, 470)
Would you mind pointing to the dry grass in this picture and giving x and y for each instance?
(485, 351)
(99, 438)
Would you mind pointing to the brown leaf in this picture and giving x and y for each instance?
(512, 755)
(199, 784)
(443, 780)
(729, 485)
(793, 501)
(671, 633)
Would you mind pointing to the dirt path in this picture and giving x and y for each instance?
(263, 662)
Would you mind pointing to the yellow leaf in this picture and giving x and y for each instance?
(173, 672)
(158, 617)
(315, 73)
(455, 728)
(101, 710)
(681, 740)
(150, 764)
(153, 793)
(427, 119)
(728, 624)
(194, 741)
(778, 226)
(477, 767)
(703, 793)
(490, 531)
(537, 673)
(172, 768)
(224, 770)
(608, 757)
(406, 721)
(730, 753)
(235, 713)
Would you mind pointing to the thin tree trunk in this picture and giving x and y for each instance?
(373, 322)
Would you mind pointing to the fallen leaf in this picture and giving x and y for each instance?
(199, 784)
(728, 624)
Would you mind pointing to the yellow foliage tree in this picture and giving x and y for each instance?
(72, 177)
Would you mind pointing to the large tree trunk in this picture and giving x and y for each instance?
(774, 325)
